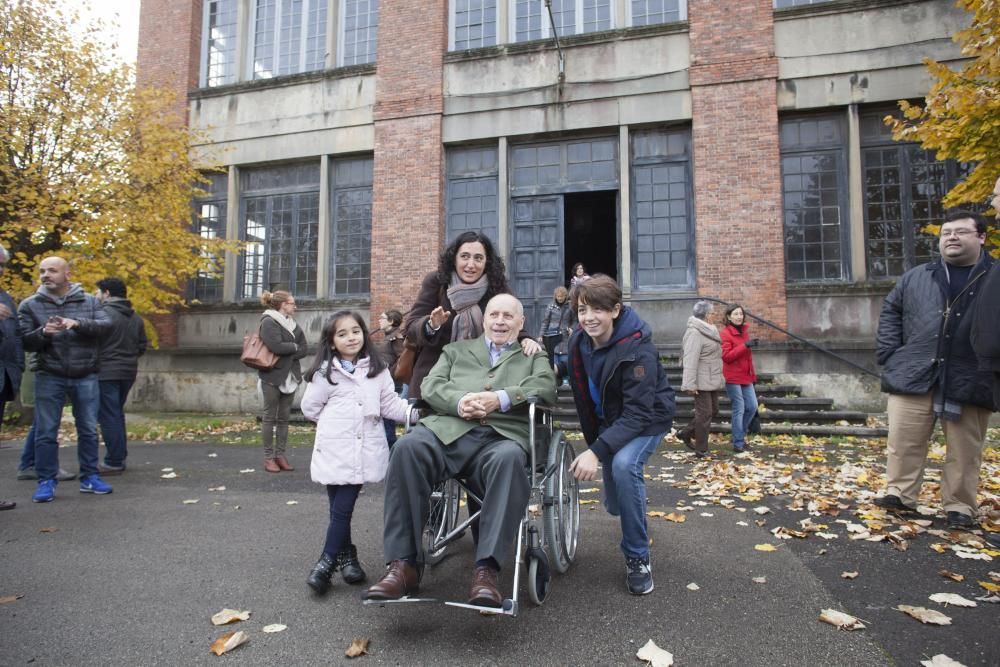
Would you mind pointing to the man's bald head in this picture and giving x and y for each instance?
(54, 274)
(503, 319)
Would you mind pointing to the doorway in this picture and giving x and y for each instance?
(590, 232)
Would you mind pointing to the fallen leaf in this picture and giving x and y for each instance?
(675, 517)
(171, 475)
(10, 598)
(693, 587)
(213, 455)
(49, 529)
(228, 641)
(952, 599)
(840, 620)
(592, 489)
(656, 514)
(655, 655)
(191, 501)
(924, 615)
(941, 660)
(765, 547)
(229, 616)
(992, 599)
(274, 627)
(762, 510)
(992, 588)
(292, 502)
(357, 647)
(822, 552)
(216, 488)
(706, 514)
(954, 576)
(827, 536)
(760, 580)
(995, 576)
(246, 470)
(589, 501)
(972, 555)
(742, 523)
(166, 470)
(848, 575)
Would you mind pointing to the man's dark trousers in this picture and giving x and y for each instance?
(111, 417)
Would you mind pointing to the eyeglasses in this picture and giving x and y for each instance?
(945, 233)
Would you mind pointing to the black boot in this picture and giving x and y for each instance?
(350, 568)
(319, 578)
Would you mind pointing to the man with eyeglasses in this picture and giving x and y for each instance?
(931, 372)
(11, 353)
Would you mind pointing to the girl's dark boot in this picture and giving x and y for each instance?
(319, 578)
(350, 568)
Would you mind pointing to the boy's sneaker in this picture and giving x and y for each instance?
(46, 491)
(94, 484)
(638, 575)
(27, 473)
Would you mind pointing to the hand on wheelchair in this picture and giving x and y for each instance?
(584, 466)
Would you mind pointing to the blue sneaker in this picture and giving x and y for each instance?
(94, 484)
(46, 491)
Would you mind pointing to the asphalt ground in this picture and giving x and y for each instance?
(134, 577)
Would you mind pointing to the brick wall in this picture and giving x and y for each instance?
(737, 172)
(408, 190)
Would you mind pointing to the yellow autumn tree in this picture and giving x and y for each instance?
(960, 117)
(93, 169)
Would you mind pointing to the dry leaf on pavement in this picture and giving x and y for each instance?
(849, 575)
(762, 510)
(292, 502)
(840, 620)
(49, 529)
(765, 547)
(952, 599)
(992, 599)
(10, 598)
(760, 580)
(229, 616)
(228, 641)
(941, 660)
(693, 587)
(992, 588)
(675, 517)
(655, 655)
(357, 647)
(166, 470)
(954, 576)
(169, 475)
(191, 501)
(216, 488)
(274, 627)
(924, 615)
(246, 470)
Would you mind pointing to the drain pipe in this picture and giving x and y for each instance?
(555, 36)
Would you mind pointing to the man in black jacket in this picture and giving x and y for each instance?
(930, 371)
(120, 352)
(63, 326)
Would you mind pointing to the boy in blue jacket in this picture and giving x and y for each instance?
(626, 407)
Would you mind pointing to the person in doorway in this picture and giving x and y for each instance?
(931, 373)
(555, 331)
(626, 407)
(349, 393)
(702, 378)
(738, 370)
(11, 354)
(119, 366)
(578, 275)
(285, 338)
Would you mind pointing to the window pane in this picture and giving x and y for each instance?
(649, 12)
(475, 23)
(359, 31)
(351, 213)
(596, 15)
(528, 15)
(564, 16)
(220, 65)
(210, 223)
(289, 37)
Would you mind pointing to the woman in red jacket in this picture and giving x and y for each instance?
(737, 367)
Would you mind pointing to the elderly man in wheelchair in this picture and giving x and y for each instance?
(480, 432)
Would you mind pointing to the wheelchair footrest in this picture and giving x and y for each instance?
(509, 608)
(382, 603)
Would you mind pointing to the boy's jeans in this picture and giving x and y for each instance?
(625, 492)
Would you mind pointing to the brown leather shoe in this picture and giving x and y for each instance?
(283, 462)
(400, 579)
(484, 592)
(271, 466)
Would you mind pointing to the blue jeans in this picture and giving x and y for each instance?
(743, 399)
(338, 532)
(50, 396)
(111, 417)
(28, 451)
(625, 492)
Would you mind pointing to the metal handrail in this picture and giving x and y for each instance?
(788, 333)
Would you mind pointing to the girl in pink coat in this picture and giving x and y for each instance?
(350, 390)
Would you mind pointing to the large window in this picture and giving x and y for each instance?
(814, 190)
(904, 186)
(472, 191)
(288, 36)
(359, 27)
(649, 12)
(219, 45)
(351, 222)
(279, 223)
(662, 248)
(474, 24)
(210, 223)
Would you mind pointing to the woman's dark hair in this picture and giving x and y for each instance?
(326, 353)
(730, 310)
(394, 316)
(578, 265)
(495, 268)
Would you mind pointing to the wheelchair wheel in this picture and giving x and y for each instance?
(561, 509)
(442, 519)
(539, 580)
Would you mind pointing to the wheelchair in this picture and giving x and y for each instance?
(542, 545)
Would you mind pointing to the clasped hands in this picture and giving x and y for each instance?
(476, 405)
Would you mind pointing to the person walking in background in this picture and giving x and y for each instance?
(578, 275)
(931, 372)
(11, 354)
(64, 325)
(556, 329)
(349, 392)
(626, 406)
(702, 378)
(285, 338)
(390, 347)
(738, 370)
(119, 365)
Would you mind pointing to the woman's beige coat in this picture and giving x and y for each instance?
(702, 357)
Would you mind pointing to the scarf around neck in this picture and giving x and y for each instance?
(287, 322)
(465, 298)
